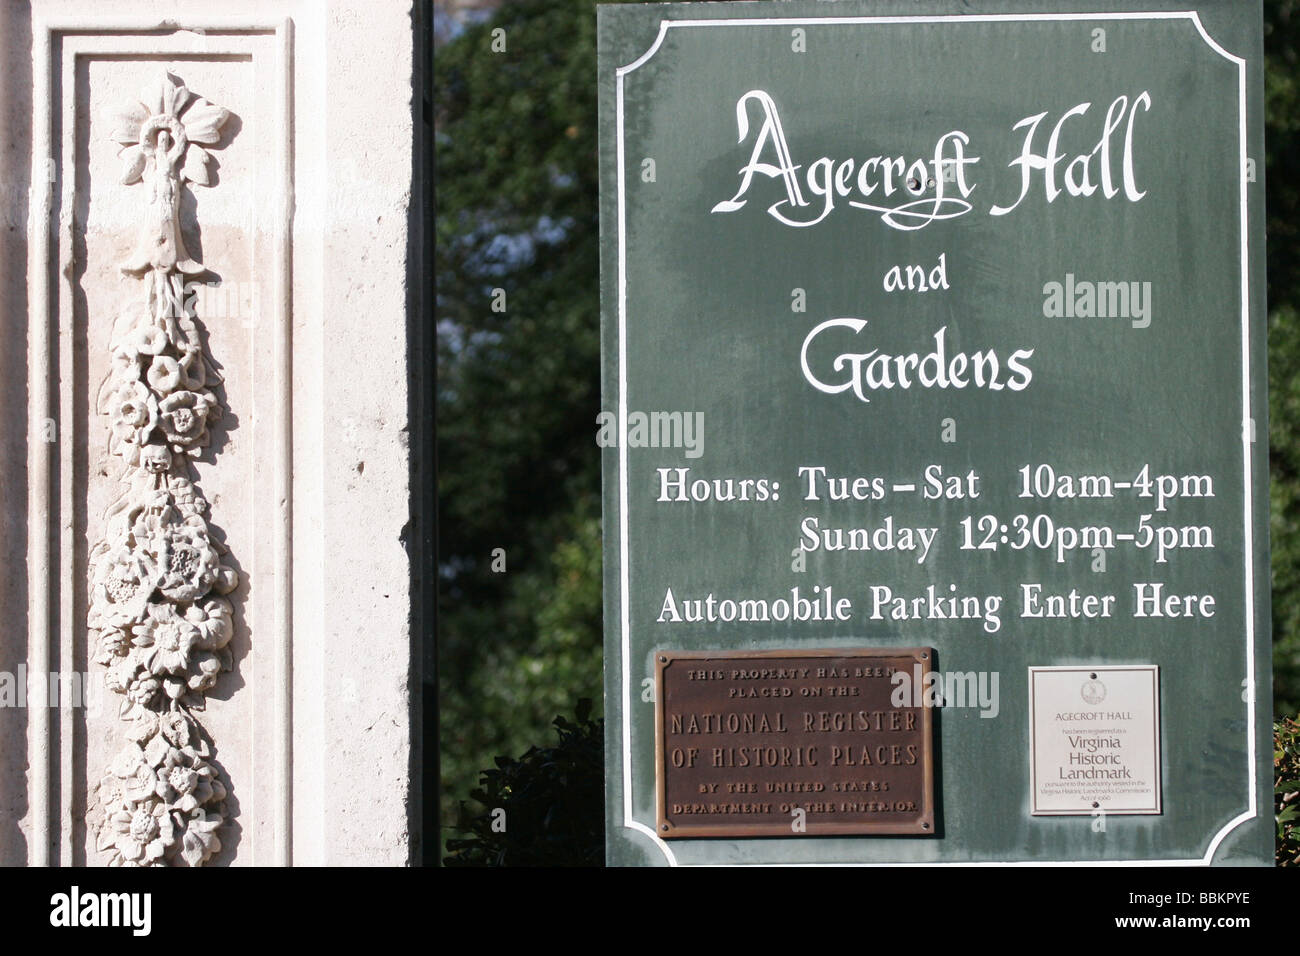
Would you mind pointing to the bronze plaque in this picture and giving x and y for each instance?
(791, 743)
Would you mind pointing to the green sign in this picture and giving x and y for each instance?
(934, 332)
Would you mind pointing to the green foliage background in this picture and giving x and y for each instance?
(546, 808)
(1286, 791)
(519, 390)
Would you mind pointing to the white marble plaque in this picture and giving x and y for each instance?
(1094, 739)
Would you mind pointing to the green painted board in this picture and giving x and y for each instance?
(1014, 256)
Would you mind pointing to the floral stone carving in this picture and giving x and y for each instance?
(158, 615)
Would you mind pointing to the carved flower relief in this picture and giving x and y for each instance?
(184, 417)
(190, 565)
(165, 640)
(174, 727)
(161, 135)
(140, 341)
(138, 827)
(114, 642)
(129, 778)
(214, 626)
(164, 374)
(189, 120)
(161, 798)
(200, 840)
(125, 579)
(162, 630)
(141, 688)
(170, 635)
(213, 619)
(140, 837)
(156, 459)
(186, 781)
(147, 512)
(187, 500)
(171, 655)
(138, 412)
(194, 375)
(145, 339)
(161, 539)
(208, 666)
(128, 366)
(133, 415)
(156, 612)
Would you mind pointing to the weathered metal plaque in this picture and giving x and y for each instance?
(1094, 739)
(784, 743)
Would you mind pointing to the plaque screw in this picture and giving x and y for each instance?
(925, 826)
(1092, 677)
(925, 657)
(664, 660)
(664, 828)
(1095, 804)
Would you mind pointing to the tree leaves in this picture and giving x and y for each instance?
(546, 808)
(519, 389)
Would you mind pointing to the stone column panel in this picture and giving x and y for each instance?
(216, 436)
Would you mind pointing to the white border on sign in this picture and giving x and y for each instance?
(625, 625)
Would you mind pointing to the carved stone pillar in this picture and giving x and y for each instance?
(206, 448)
